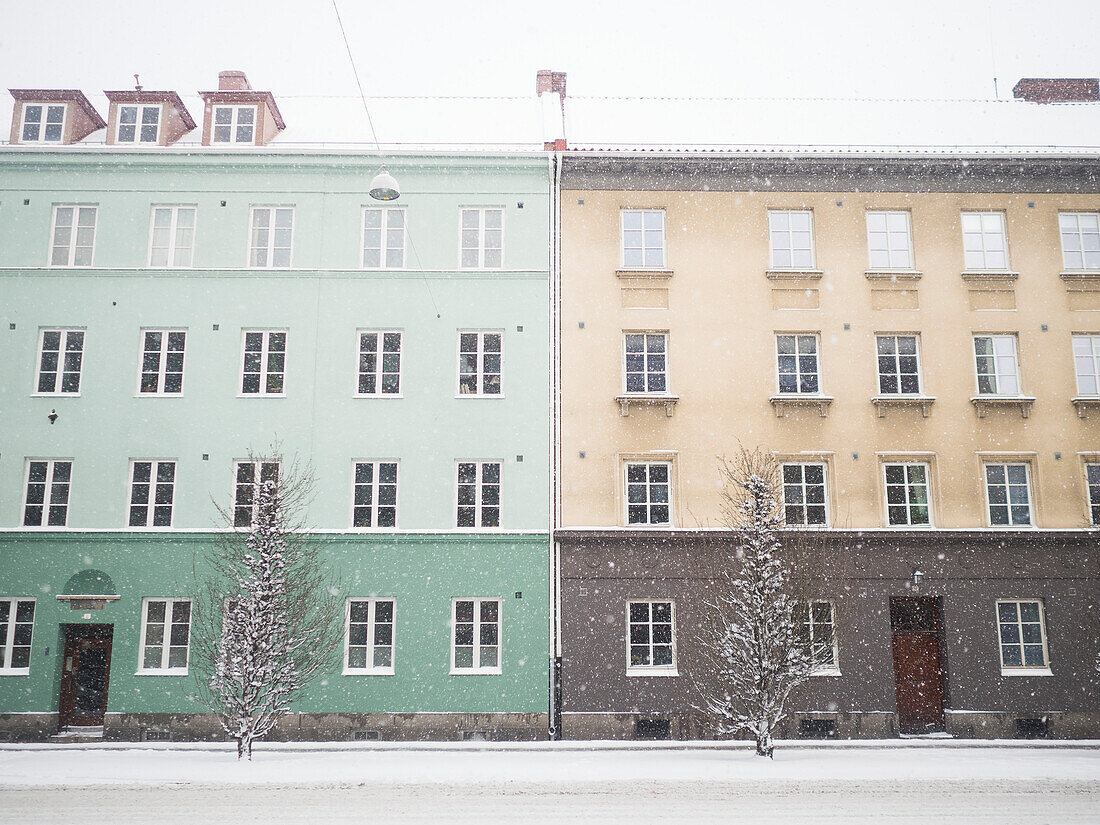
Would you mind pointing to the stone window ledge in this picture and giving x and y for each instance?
(1084, 403)
(991, 278)
(794, 274)
(893, 275)
(646, 399)
(984, 403)
(655, 274)
(1081, 280)
(791, 401)
(882, 402)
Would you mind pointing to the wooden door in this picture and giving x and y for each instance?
(85, 676)
(918, 668)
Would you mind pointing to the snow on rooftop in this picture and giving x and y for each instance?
(670, 124)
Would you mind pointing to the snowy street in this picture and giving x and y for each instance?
(602, 782)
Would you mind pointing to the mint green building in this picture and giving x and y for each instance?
(169, 307)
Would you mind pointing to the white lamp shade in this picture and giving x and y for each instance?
(384, 187)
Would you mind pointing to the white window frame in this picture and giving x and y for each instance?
(138, 140)
(166, 647)
(651, 669)
(479, 494)
(258, 468)
(482, 248)
(265, 371)
(370, 669)
(811, 266)
(375, 486)
(379, 371)
(269, 248)
(645, 247)
(1022, 669)
(60, 372)
(1086, 353)
(384, 229)
(806, 620)
(1084, 237)
(73, 246)
(906, 487)
(155, 485)
(1000, 375)
(892, 237)
(645, 355)
(477, 668)
(481, 356)
(234, 124)
(985, 234)
(897, 355)
(1005, 464)
(798, 355)
(162, 372)
(649, 503)
(47, 501)
(174, 229)
(1092, 491)
(804, 486)
(7, 642)
(40, 136)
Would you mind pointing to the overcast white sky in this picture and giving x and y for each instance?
(790, 48)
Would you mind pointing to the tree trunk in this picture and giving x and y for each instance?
(764, 744)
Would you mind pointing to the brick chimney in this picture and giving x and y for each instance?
(233, 81)
(550, 87)
(1058, 89)
(548, 81)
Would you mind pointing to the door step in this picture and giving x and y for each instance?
(78, 733)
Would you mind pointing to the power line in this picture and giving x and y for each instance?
(355, 71)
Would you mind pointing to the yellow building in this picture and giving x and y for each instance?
(916, 338)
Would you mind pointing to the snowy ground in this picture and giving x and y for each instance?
(894, 782)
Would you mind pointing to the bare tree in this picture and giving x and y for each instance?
(752, 647)
(268, 617)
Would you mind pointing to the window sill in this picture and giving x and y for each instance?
(55, 395)
(158, 395)
(1026, 671)
(881, 403)
(377, 395)
(652, 671)
(171, 672)
(984, 403)
(639, 526)
(991, 278)
(827, 671)
(492, 671)
(479, 395)
(794, 274)
(645, 400)
(261, 395)
(893, 275)
(1084, 402)
(783, 403)
(382, 671)
(1083, 280)
(656, 273)
(24, 671)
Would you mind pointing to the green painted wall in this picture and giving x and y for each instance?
(422, 573)
(322, 302)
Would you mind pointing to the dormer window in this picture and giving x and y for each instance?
(138, 124)
(234, 124)
(43, 123)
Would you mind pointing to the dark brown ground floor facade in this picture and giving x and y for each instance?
(989, 634)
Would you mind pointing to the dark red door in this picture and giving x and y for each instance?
(918, 664)
(85, 675)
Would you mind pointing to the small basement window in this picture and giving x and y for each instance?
(1032, 728)
(817, 728)
(652, 729)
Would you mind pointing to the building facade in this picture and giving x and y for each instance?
(170, 313)
(915, 340)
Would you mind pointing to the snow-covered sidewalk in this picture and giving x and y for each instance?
(551, 782)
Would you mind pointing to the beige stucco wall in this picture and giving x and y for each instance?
(722, 315)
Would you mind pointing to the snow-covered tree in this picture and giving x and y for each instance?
(752, 647)
(268, 614)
